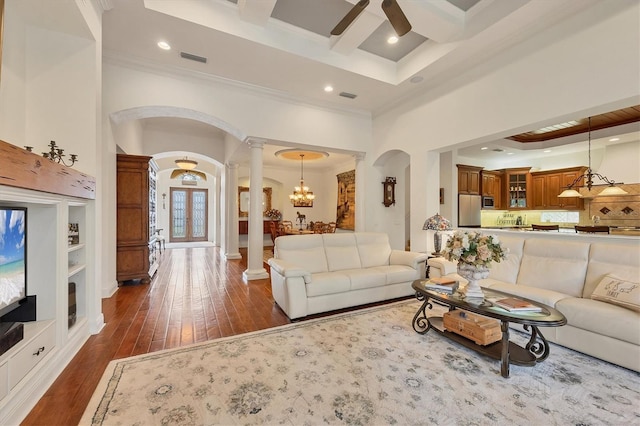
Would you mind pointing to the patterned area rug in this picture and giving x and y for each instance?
(360, 368)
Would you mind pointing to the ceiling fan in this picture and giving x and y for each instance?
(396, 17)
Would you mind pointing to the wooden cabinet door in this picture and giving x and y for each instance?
(538, 183)
(497, 192)
(132, 218)
(463, 181)
(468, 179)
(552, 189)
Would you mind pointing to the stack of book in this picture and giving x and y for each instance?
(512, 304)
(442, 284)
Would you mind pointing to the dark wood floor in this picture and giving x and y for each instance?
(193, 297)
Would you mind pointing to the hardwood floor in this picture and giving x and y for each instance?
(194, 296)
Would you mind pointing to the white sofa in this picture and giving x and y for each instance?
(323, 272)
(563, 271)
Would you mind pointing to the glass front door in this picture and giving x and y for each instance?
(188, 215)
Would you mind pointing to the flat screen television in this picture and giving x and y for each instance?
(13, 258)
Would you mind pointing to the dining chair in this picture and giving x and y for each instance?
(287, 224)
(331, 227)
(592, 229)
(318, 228)
(545, 227)
(274, 231)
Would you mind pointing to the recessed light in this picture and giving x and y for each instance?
(416, 79)
(392, 40)
(328, 88)
(509, 153)
(614, 139)
(484, 148)
(547, 150)
(164, 45)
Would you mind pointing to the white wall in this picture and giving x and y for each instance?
(249, 113)
(547, 78)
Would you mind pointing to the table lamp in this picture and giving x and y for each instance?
(437, 223)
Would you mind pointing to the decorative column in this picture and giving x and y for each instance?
(232, 236)
(255, 269)
(360, 197)
(217, 208)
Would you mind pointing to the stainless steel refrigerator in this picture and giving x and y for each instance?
(469, 208)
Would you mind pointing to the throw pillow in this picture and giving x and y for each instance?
(618, 292)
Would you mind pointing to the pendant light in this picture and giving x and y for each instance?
(611, 189)
(302, 196)
(185, 164)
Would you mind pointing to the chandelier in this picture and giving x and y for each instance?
(301, 196)
(185, 164)
(611, 189)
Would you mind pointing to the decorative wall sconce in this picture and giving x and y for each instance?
(56, 154)
(389, 191)
(164, 197)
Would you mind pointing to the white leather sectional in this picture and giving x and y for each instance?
(563, 271)
(323, 272)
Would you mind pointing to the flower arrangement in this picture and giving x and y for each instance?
(474, 248)
(273, 214)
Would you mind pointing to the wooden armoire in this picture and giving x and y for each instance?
(135, 233)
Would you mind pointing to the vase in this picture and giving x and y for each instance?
(473, 273)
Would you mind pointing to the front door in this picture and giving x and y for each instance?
(188, 215)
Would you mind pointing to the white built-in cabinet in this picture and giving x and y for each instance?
(31, 366)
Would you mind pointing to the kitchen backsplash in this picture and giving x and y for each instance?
(622, 211)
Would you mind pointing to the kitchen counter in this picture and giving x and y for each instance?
(614, 230)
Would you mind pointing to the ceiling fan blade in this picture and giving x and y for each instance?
(396, 17)
(349, 17)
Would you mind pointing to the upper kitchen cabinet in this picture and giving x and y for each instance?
(548, 184)
(492, 186)
(469, 179)
(518, 183)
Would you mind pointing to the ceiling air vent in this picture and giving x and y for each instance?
(191, 57)
(497, 150)
(348, 95)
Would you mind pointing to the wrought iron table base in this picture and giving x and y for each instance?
(535, 351)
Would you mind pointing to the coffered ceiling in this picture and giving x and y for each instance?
(284, 47)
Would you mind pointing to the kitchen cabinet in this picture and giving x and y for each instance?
(492, 186)
(545, 187)
(518, 182)
(132, 218)
(469, 179)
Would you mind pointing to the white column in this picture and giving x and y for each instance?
(360, 193)
(218, 209)
(425, 198)
(255, 269)
(231, 237)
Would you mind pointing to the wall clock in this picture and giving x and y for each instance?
(389, 191)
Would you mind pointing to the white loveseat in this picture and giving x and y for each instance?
(323, 272)
(563, 271)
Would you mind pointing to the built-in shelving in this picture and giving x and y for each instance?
(30, 367)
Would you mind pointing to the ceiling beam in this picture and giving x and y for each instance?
(256, 12)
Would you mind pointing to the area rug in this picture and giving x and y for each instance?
(360, 368)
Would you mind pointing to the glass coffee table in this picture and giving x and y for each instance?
(508, 352)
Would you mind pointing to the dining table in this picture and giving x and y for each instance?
(298, 231)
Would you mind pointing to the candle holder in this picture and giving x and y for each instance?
(56, 154)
